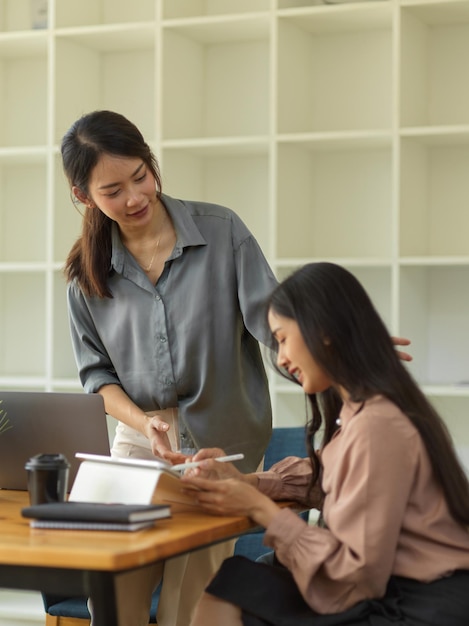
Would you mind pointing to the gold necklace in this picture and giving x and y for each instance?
(148, 268)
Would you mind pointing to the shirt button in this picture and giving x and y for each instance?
(163, 339)
(168, 382)
(157, 297)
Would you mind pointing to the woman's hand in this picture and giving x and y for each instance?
(175, 458)
(212, 469)
(402, 341)
(154, 425)
(156, 431)
(232, 497)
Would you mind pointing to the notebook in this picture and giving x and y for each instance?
(48, 423)
(95, 515)
(67, 525)
(97, 512)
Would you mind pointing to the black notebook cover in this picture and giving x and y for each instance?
(97, 512)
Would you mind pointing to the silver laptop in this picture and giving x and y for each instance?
(48, 423)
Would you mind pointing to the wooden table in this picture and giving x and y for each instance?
(66, 562)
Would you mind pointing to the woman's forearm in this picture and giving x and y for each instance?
(118, 404)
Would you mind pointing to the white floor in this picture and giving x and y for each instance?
(21, 608)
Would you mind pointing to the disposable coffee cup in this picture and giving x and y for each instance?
(47, 478)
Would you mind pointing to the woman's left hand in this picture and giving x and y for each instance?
(232, 497)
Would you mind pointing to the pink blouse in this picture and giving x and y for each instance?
(385, 513)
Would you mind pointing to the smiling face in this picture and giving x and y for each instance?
(294, 355)
(124, 189)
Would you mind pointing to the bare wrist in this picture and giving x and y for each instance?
(264, 511)
(251, 479)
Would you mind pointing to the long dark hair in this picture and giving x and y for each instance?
(91, 136)
(328, 302)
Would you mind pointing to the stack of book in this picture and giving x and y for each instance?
(95, 515)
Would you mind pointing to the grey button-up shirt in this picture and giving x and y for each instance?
(192, 340)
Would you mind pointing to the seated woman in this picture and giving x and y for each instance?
(394, 547)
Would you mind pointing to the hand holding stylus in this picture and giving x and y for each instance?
(212, 463)
(220, 459)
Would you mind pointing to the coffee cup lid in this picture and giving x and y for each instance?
(45, 461)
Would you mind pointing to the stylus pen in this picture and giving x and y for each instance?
(220, 459)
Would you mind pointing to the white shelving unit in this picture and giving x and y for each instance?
(337, 132)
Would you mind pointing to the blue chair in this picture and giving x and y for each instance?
(62, 611)
(290, 441)
(66, 611)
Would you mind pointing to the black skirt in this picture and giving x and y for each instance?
(268, 596)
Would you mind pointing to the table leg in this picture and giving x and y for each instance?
(104, 599)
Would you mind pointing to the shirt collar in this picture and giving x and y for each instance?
(186, 230)
(187, 233)
(350, 409)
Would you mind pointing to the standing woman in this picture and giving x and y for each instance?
(166, 302)
(395, 499)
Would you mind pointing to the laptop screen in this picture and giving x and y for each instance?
(48, 423)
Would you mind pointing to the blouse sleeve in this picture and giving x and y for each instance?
(368, 474)
(289, 479)
(256, 281)
(94, 365)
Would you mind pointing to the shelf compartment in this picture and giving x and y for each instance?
(216, 78)
(174, 9)
(23, 201)
(16, 15)
(67, 218)
(116, 77)
(434, 309)
(22, 301)
(453, 410)
(23, 91)
(376, 280)
(89, 12)
(290, 407)
(434, 43)
(434, 191)
(335, 69)
(234, 176)
(339, 198)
